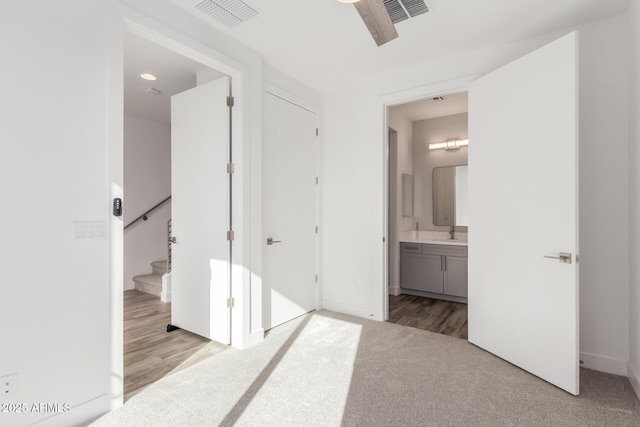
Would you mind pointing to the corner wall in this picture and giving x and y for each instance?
(603, 193)
(633, 368)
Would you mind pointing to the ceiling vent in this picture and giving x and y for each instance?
(227, 12)
(399, 10)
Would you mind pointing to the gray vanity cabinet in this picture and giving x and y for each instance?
(437, 269)
(456, 276)
(422, 272)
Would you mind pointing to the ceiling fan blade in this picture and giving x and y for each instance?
(377, 20)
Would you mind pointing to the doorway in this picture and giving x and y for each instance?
(153, 76)
(427, 214)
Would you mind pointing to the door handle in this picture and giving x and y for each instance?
(564, 257)
(270, 241)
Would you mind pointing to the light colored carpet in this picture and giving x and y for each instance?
(329, 369)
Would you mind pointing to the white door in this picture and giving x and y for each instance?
(523, 200)
(289, 210)
(200, 217)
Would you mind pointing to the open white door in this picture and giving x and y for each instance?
(523, 200)
(289, 211)
(200, 143)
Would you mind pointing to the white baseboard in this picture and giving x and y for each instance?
(633, 379)
(165, 294)
(395, 291)
(256, 337)
(349, 309)
(604, 364)
(79, 415)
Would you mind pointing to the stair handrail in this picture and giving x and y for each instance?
(144, 215)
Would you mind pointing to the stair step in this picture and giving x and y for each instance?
(149, 283)
(159, 267)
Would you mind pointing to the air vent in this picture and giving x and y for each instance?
(227, 12)
(400, 10)
(395, 10)
(415, 7)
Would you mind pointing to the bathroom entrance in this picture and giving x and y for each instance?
(428, 214)
(523, 200)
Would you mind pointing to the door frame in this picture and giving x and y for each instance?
(315, 109)
(460, 84)
(246, 133)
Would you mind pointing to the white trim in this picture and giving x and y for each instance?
(347, 309)
(78, 415)
(385, 101)
(605, 364)
(633, 379)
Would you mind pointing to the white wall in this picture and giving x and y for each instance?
(403, 164)
(428, 131)
(634, 198)
(54, 171)
(604, 208)
(353, 208)
(147, 181)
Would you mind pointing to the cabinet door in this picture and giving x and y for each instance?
(422, 272)
(456, 276)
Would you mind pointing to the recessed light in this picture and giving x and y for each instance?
(148, 76)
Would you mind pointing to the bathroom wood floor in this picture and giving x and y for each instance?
(150, 352)
(443, 317)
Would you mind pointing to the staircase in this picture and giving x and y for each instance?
(152, 283)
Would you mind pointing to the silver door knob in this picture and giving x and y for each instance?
(564, 257)
(270, 241)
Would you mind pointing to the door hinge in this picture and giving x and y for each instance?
(317, 132)
(384, 240)
(317, 180)
(316, 278)
(230, 101)
(316, 229)
(230, 302)
(230, 168)
(230, 235)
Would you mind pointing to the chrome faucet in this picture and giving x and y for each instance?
(452, 233)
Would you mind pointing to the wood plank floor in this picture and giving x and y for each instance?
(150, 352)
(443, 317)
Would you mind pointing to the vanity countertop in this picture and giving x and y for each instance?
(434, 237)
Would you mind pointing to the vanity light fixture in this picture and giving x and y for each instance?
(454, 144)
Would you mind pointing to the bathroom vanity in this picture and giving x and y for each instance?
(434, 266)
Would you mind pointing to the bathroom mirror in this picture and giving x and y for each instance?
(450, 195)
(407, 195)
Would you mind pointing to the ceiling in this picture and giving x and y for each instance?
(428, 108)
(324, 42)
(175, 74)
